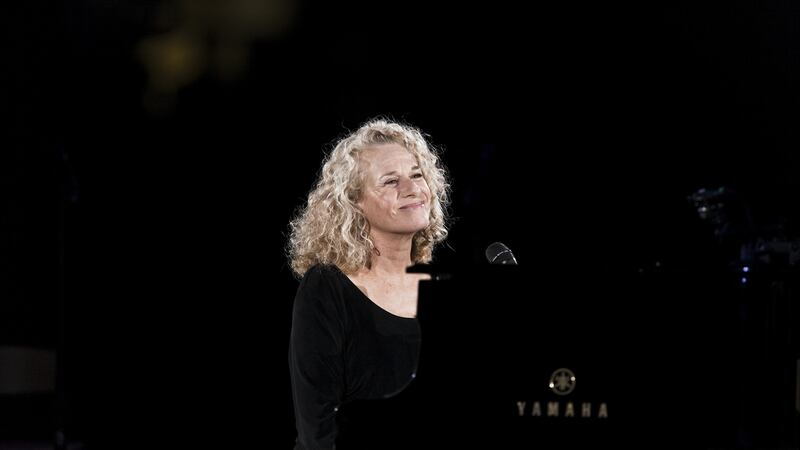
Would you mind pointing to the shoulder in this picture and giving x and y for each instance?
(318, 275)
(321, 300)
(320, 281)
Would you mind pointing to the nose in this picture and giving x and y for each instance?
(409, 187)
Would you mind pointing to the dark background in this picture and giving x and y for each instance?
(574, 133)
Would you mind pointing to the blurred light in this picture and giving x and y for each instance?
(745, 269)
(206, 37)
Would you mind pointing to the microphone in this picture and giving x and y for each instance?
(498, 253)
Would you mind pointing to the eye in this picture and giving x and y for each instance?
(417, 175)
(388, 182)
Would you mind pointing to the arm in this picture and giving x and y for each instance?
(315, 362)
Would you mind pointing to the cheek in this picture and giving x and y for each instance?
(426, 189)
(383, 205)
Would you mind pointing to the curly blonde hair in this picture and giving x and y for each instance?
(330, 228)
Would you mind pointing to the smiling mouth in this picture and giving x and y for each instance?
(414, 205)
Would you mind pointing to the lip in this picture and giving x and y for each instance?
(413, 205)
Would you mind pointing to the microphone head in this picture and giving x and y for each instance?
(498, 253)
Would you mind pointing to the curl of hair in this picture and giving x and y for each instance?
(330, 228)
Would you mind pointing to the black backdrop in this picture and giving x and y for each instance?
(573, 133)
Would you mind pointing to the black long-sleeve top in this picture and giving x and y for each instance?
(343, 347)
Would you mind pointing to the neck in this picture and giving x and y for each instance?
(395, 254)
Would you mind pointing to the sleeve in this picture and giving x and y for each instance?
(315, 361)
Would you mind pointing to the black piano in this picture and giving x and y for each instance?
(560, 357)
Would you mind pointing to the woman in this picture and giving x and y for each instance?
(378, 207)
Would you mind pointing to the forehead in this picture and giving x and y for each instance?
(387, 157)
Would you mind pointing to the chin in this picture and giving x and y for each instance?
(412, 229)
(421, 227)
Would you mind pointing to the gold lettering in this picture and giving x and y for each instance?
(569, 409)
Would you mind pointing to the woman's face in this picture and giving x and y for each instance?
(395, 198)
